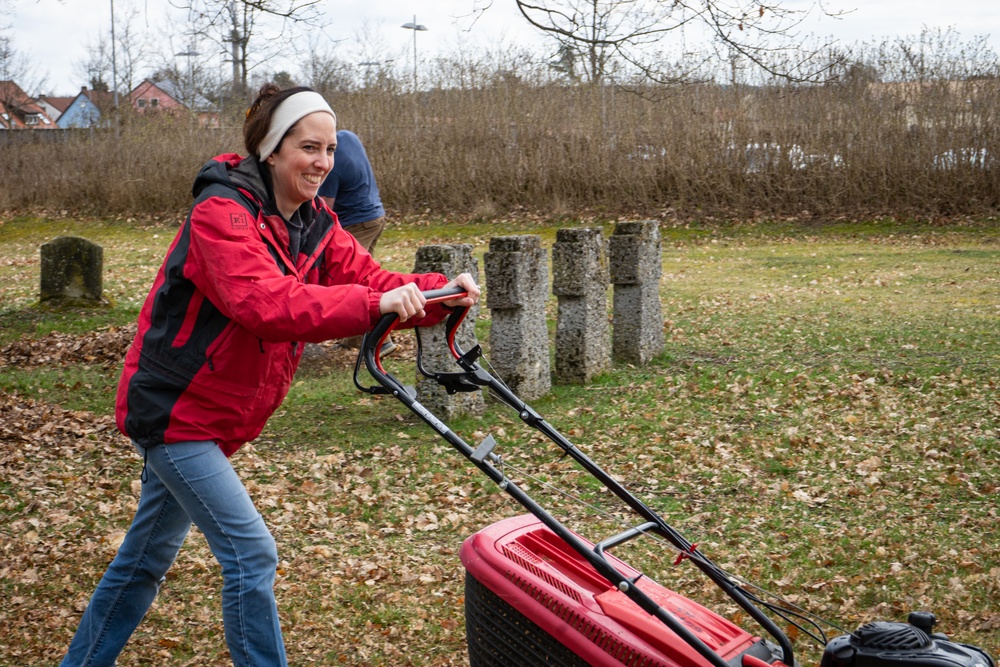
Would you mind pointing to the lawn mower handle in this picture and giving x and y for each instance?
(371, 344)
(445, 293)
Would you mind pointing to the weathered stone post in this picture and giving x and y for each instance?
(72, 270)
(636, 266)
(580, 281)
(450, 260)
(517, 283)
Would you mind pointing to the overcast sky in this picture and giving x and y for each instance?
(55, 34)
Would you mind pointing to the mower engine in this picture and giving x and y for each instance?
(912, 644)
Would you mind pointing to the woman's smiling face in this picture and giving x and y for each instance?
(302, 161)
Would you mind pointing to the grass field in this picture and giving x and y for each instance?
(824, 421)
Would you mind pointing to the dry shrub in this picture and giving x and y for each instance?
(145, 166)
(855, 148)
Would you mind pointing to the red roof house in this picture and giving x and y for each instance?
(150, 97)
(20, 112)
(54, 106)
(163, 96)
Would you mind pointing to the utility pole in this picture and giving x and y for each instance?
(234, 42)
(114, 68)
(189, 94)
(114, 58)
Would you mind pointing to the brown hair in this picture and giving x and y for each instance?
(260, 113)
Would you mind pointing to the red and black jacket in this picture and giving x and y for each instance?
(220, 333)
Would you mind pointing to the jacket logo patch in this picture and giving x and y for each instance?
(239, 221)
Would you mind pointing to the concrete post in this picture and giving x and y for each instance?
(516, 289)
(636, 266)
(580, 281)
(450, 260)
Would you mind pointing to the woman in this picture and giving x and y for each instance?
(259, 267)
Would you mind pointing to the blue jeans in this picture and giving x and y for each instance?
(188, 482)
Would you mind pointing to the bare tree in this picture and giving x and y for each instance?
(130, 51)
(17, 78)
(942, 54)
(189, 62)
(18, 86)
(624, 39)
(375, 59)
(96, 68)
(238, 27)
(324, 71)
(16, 66)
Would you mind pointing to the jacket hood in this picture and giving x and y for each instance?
(234, 171)
(249, 175)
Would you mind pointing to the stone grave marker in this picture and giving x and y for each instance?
(517, 284)
(636, 266)
(580, 282)
(72, 272)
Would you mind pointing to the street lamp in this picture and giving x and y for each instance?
(415, 27)
(190, 53)
(368, 64)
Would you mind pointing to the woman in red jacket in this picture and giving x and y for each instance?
(259, 267)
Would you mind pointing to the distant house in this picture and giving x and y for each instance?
(88, 109)
(150, 97)
(20, 112)
(54, 106)
(164, 97)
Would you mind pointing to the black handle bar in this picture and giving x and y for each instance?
(445, 293)
(371, 344)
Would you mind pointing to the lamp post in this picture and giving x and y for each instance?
(189, 94)
(190, 53)
(368, 64)
(415, 27)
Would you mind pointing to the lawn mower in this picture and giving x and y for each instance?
(537, 593)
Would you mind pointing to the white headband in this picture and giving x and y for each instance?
(291, 110)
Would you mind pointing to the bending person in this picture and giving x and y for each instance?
(351, 191)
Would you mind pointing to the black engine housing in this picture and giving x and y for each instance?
(886, 644)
